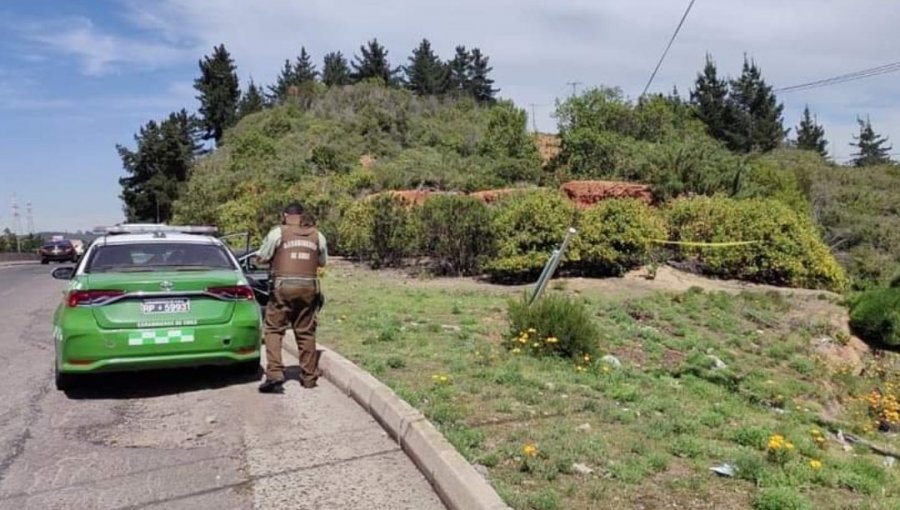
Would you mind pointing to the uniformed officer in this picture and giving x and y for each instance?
(296, 250)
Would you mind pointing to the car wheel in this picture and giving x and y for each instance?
(63, 381)
(45, 261)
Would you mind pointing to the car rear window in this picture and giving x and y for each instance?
(158, 257)
(58, 244)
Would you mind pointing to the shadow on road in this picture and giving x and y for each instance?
(155, 383)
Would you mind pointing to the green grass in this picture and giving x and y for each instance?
(651, 429)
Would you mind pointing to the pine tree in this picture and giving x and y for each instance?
(251, 101)
(459, 71)
(219, 93)
(480, 85)
(335, 70)
(304, 69)
(754, 121)
(373, 64)
(425, 74)
(870, 145)
(709, 100)
(810, 135)
(158, 166)
(286, 79)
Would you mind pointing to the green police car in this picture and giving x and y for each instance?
(155, 296)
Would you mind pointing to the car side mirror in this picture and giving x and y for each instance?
(63, 273)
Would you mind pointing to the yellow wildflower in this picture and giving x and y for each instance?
(552, 340)
(815, 464)
(587, 357)
(532, 330)
(516, 350)
(530, 450)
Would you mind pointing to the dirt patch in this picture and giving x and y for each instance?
(587, 193)
(489, 196)
(549, 146)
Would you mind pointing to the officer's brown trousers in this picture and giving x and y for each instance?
(292, 305)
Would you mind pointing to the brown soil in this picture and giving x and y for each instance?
(548, 146)
(588, 193)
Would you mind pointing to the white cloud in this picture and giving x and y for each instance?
(101, 52)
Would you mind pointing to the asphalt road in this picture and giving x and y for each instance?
(192, 439)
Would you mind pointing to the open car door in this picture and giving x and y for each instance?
(257, 274)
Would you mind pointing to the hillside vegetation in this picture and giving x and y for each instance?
(342, 143)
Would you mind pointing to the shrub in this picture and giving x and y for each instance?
(527, 227)
(355, 230)
(875, 316)
(393, 231)
(787, 250)
(615, 235)
(455, 233)
(553, 325)
(780, 498)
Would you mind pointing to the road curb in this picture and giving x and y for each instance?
(457, 483)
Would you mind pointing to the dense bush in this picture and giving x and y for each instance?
(615, 236)
(553, 325)
(656, 141)
(382, 230)
(455, 233)
(780, 498)
(875, 316)
(787, 248)
(527, 227)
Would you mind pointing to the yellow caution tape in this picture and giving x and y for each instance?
(711, 245)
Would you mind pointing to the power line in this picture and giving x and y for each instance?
(672, 40)
(843, 78)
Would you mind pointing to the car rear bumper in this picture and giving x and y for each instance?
(59, 257)
(108, 350)
(126, 364)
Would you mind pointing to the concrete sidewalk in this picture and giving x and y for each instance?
(328, 453)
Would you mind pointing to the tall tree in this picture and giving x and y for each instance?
(810, 135)
(754, 114)
(373, 63)
(709, 99)
(459, 70)
(425, 74)
(159, 164)
(335, 70)
(304, 69)
(870, 146)
(286, 79)
(252, 100)
(480, 86)
(219, 93)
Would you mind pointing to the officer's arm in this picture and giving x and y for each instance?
(267, 250)
(323, 250)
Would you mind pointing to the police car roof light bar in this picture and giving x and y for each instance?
(153, 228)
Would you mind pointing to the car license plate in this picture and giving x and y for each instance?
(165, 306)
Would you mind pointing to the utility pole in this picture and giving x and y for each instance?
(17, 223)
(574, 85)
(533, 118)
(30, 218)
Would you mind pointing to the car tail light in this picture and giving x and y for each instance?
(237, 293)
(92, 297)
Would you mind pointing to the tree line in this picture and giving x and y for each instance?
(745, 115)
(165, 150)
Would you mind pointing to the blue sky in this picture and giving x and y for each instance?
(76, 78)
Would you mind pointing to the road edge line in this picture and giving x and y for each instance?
(454, 479)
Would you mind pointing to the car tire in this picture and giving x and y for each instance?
(63, 381)
(45, 261)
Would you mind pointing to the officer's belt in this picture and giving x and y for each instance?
(298, 280)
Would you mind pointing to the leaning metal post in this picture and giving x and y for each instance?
(551, 266)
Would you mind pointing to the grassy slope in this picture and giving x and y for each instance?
(651, 430)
